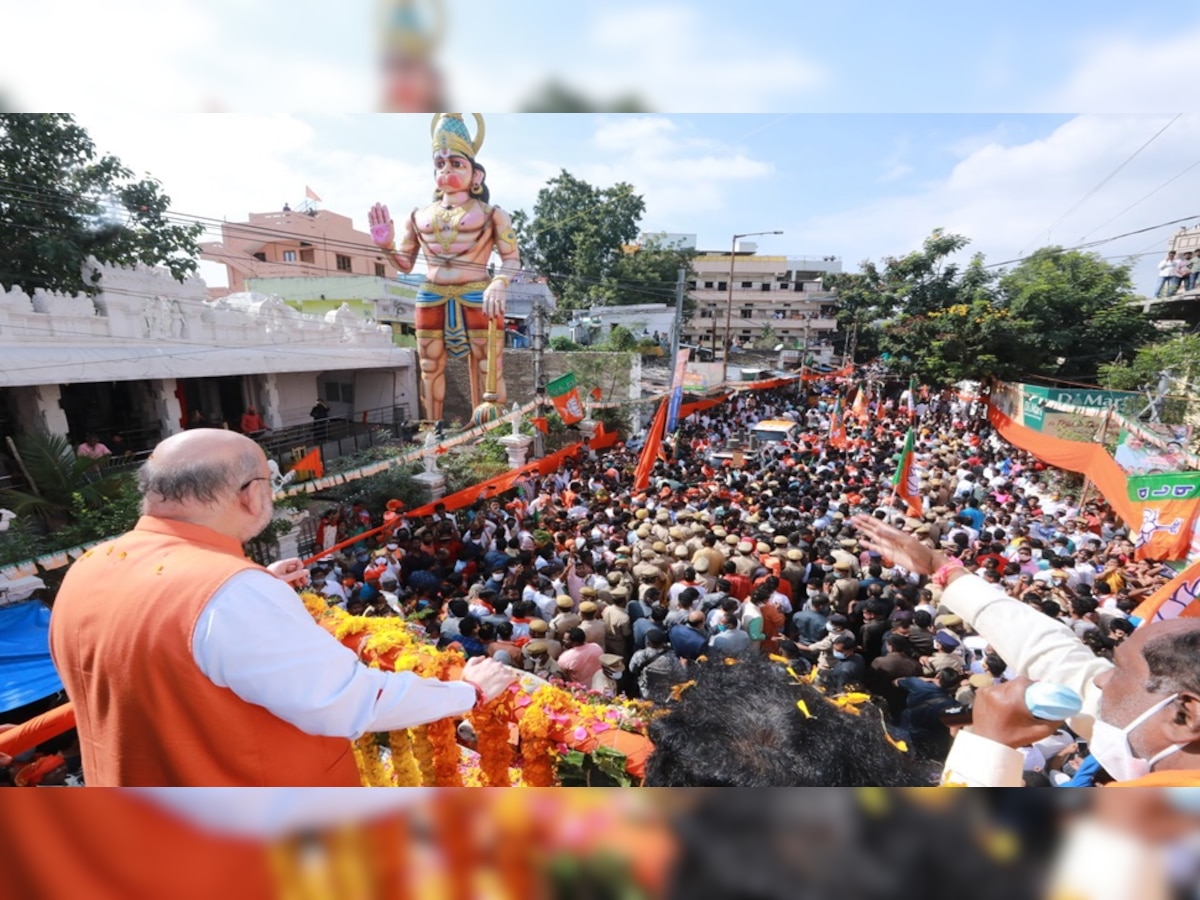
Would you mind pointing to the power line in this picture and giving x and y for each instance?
(1145, 197)
(1098, 243)
(1109, 177)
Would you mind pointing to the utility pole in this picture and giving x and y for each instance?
(804, 352)
(537, 336)
(677, 336)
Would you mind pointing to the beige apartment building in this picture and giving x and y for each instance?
(781, 293)
(294, 244)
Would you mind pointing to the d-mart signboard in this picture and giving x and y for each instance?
(1034, 412)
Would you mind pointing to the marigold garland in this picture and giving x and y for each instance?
(404, 762)
(553, 716)
(491, 732)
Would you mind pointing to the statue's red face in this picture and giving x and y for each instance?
(453, 172)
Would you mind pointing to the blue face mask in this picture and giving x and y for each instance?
(838, 654)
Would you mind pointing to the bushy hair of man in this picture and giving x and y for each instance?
(740, 726)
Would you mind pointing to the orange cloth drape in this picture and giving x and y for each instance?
(649, 455)
(1088, 459)
(37, 730)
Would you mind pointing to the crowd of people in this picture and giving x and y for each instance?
(777, 564)
(792, 618)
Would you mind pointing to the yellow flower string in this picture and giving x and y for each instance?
(370, 763)
(404, 762)
(423, 752)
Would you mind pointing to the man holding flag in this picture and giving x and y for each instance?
(906, 483)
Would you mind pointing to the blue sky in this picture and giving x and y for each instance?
(856, 127)
(697, 56)
(856, 186)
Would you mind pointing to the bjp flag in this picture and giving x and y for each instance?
(1169, 504)
(1178, 598)
(906, 483)
(837, 428)
(565, 396)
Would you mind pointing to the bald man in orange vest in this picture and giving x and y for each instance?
(190, 665)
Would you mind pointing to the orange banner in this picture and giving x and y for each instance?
(1091, 460)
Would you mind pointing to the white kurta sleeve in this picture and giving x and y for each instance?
(1033, 644)
(256, 638)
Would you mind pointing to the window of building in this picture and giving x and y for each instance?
(747, 284)
(708, 284)
(691, 285)
(343, 263)
(289, 255)
(799, 286)
(747, 312)
(306, 256)
(380, 270)
(722, 286)
(261, 257)
(766, 286)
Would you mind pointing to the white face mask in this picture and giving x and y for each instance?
(1110, 746)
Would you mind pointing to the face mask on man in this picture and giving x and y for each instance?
(1110, 746)
(838, 654)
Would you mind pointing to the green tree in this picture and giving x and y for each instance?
(1177, 356)
(935, 318)
(1080, 309)
(647, 274)
(62, 201)
(63, 483)
(575, 234)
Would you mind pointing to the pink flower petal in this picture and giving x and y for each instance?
(581, 733)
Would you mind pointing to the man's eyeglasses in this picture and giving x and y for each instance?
(252, 480)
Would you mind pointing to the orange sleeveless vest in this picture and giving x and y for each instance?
(121, 637)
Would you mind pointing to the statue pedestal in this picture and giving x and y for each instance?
(517, 447)
(433, 484)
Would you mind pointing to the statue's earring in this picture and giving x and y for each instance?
(477, 189)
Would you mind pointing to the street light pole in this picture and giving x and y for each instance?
(729, 302)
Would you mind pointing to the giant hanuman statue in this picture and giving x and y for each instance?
(457, 232)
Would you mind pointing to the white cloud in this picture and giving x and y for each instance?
(1006, 196)
(62, 54)
(1120, 72)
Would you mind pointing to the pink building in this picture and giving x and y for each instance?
(294, 244)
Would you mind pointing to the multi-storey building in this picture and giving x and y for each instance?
(294, 244)
(782, 298)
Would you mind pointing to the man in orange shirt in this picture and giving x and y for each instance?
(189, 665)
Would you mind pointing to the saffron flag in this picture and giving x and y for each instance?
(565, 396)
(651, 449)
(1179, 597)
(311, 463)
(859, 409)
(541, 423)
(837, 428)
(912, 396)
(905, 482)
(1169, 504)
(597, 394)
(311, 194)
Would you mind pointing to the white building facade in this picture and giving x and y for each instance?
(146, 351)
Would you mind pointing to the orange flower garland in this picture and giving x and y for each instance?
(491, 732)
(541, 730)
(423, 752)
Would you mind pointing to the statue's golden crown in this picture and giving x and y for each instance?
(449, 132)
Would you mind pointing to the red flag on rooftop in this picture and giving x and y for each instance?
(311, 194)
(653, 444)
